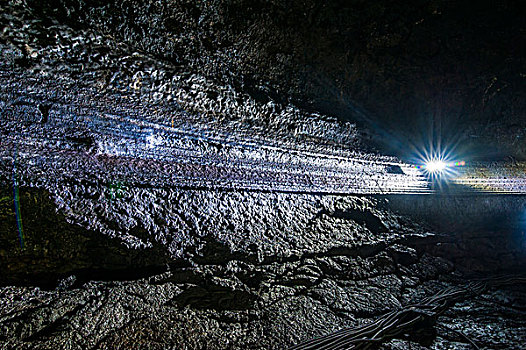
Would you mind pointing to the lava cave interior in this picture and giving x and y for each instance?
(262, 174)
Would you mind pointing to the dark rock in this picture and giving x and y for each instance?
(44, 112)
(54, 248)
(214, 297)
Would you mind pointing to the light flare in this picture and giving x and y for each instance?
(435, 166)
(16, 200)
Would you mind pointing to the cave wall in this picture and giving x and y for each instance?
(113, 257)
(449, 72)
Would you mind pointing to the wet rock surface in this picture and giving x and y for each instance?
(160, 188)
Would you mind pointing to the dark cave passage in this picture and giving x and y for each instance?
(483, 234)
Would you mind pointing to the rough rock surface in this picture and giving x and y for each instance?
(159, 188)
(456, 68)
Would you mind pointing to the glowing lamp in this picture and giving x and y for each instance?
(435, 166)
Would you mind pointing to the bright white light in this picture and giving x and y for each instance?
(435, 166)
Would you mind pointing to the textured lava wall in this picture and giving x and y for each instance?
(452, 71)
